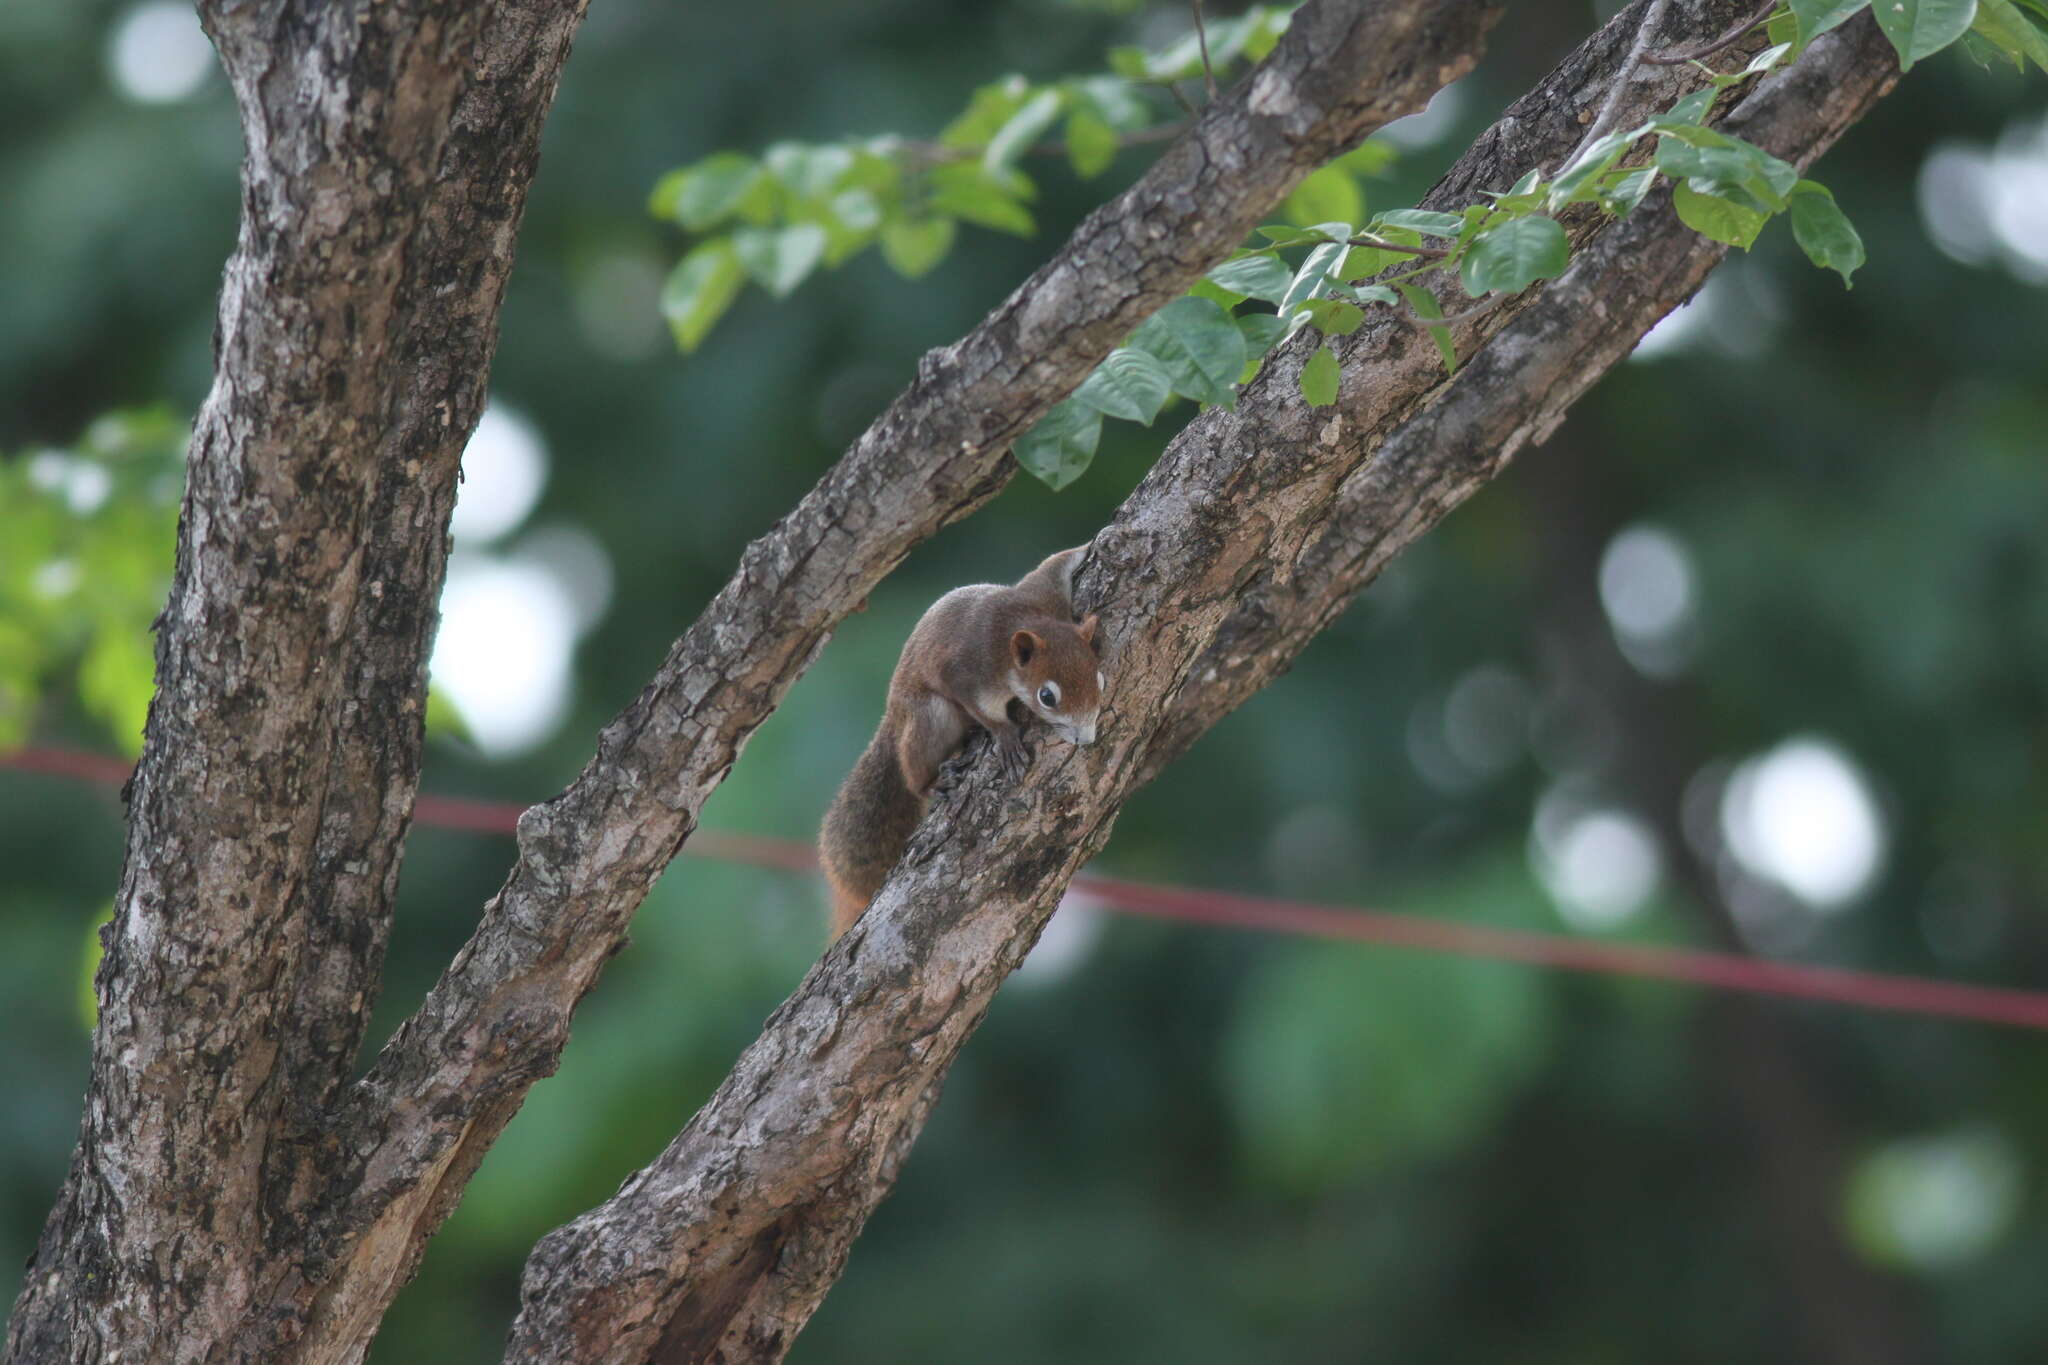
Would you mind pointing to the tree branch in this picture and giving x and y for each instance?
(413, 1129)
(723, 1246)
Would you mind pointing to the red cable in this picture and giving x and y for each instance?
(1720, 971)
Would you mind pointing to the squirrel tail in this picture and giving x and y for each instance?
(866, 828)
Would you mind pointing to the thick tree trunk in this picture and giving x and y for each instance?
(389, 150)
(1251, 533)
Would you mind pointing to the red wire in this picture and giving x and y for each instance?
(1720, 971)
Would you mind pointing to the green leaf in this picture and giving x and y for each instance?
(1823, 232)
(1091, 143)
(849, 220)
(808, 172)
(914, 245)
(1575, 182)
(1199, 346)
(1279, 234)
(1620, 194)
(2006, 25)
(1328, 194)
(1920, 28)
(1258, 275)
(1764, 61)
(988, 109)
(1424, 302)
(1815, 17)
(1319, 378)
(1061, 447)
(1263, 25)
(1421, 220)
(706, 194)
(1514, 255)
(1131, 63)
(1694, 108)
(1261, 331)
(1022, 129)
(1362, 261)
(1782, 28)
(1717, 218)
(1374, 293)
(1129, 383)
(968, 190)
(700, 289)
(1727, 167)
(779, 259)
(1317, 270)
(1334, 317)
(1206, 288)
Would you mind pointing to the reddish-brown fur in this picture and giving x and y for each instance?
(973, 652)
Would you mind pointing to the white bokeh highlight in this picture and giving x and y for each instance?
(504, 467)
(1429, 127)
(1938, 1202)
(1649, 589)
(510, 617)
(1600, 864)
(502, 655)
(1068, 942)
(1984, 204)
(1803, 817)
(158, 54)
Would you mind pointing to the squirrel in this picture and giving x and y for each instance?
(974, 654)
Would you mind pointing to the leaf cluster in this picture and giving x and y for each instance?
(776, 218)
(83, 567)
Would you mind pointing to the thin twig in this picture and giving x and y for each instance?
(1622, 80)
(1678, 56)
(1429, 253)
(1202, 38)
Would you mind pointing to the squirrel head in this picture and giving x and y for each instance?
(1056, 673)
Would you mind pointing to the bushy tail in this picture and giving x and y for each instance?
(865, 831)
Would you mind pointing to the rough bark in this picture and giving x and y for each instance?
(232, 1197)
(1253, 531)
(497, 1021)
(389, 148)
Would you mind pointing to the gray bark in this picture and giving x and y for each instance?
(1252, 532)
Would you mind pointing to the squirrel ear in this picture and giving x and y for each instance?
(1024, 644)
(1087, 629)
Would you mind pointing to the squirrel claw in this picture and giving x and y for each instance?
(1013, 755)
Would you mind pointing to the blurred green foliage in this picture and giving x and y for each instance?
(1172, 1143)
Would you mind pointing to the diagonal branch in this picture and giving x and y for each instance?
(723, 1246)
(415, 1128)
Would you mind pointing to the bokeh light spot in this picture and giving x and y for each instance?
(503, 469)
(1803, 816)
(158, 54)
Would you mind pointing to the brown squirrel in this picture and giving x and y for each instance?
(974, 653)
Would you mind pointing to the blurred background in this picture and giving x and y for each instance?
(1753, 654)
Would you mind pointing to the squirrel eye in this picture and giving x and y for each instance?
(1049, 695)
